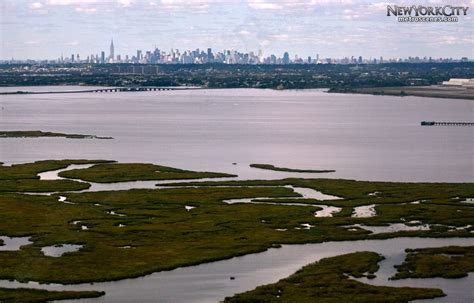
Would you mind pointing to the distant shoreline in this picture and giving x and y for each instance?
(433, 91)
(100, 89)
(42, 134)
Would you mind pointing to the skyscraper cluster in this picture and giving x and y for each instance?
(197, 56)
(175, 56)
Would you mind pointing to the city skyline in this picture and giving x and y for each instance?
(201, 56)
(43, 29)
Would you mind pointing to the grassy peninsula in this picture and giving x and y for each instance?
(42, 134)
(445, 262)
(22, 295)
(24, 177)
(329, 281)
(121, 172)
(433, 91)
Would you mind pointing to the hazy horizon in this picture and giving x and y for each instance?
(45, 29)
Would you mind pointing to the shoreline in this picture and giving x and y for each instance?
(414, 91)
(433, 91)
(102, 90)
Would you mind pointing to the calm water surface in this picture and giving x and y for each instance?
(361, 136)
(211, 282)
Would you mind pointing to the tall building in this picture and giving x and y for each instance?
(273, 59)
(286, 58)
(210, 57)
(112, 50)
(102, 57)
(156, 56)
(139, 55)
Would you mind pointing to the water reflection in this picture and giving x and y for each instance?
(211, 282)
(60, 249)
(13, 243)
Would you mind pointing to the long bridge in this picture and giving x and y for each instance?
(105, 90)
(134, 89)
(434, 123)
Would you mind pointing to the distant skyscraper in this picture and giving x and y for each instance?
(273, 59)
(102, 57)
(286, 58)
(156, 56)
(112, 50)
(210, 57)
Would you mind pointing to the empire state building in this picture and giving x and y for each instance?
(112, 51)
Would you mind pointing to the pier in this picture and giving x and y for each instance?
(434, 123)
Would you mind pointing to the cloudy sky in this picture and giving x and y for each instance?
(43, 29)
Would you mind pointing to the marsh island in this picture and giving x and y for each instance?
(176, 224)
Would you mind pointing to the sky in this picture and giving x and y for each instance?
(45, 29)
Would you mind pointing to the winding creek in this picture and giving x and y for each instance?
(211, 282)
(306, 193)
(54, 174)
(226, 130)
